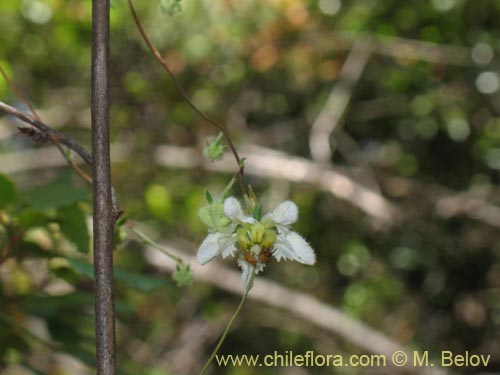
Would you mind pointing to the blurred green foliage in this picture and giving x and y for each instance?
(425, 117)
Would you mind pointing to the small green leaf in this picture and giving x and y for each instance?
(242, 162)
(257, 212)
(57, 193)
(214, 150)
(30, 219)
(208, 197)
(74, 226)
(8, 193)
(120, 233)
(183, 275)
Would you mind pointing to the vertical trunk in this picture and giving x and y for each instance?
(102, 195)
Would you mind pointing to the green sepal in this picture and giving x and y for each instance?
(213, 216)
(183, 276)
(257, 212)
(214, 150)
(208, 197)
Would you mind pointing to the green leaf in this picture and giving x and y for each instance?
(84, 268)
(257, 212)
(8, 193)
(28, 249)
(74, 226)
(208, 197)
(214, 150)
(63, 329)
(31, 218)
(183, 275)
(48, 306)
(57, 193)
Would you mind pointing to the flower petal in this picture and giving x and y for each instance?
(210, 248)
(293, 246)
(227, 243)
(285, 214)
(233, 210)
(246, 271)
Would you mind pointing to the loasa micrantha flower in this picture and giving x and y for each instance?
(253, 241)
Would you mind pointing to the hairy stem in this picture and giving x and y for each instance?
(156, 245)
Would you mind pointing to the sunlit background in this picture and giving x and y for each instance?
(380, 119)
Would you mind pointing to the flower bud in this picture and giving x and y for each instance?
(257, 231)
(269, 239)
(243, 239)
(214, 150)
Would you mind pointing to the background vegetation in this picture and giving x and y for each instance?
(420, 132)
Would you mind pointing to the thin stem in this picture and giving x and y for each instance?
(37, 117)
(54, 134)
(186, 97)
(231, 321)
(104, 216)
(18, 93)
(156, 245)
(228, 187)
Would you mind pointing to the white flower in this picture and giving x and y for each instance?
(216, 244)
(257, 241)
(233, 210)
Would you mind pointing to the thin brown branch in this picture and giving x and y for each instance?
(14, 238)
(71, 162)
(54, 140)
(58, 138)
(186, 97)
(103, 216)
(19, 95)
(54, 134)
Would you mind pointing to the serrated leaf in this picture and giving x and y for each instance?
(57, 193)
(8, 193)
(74, 226)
